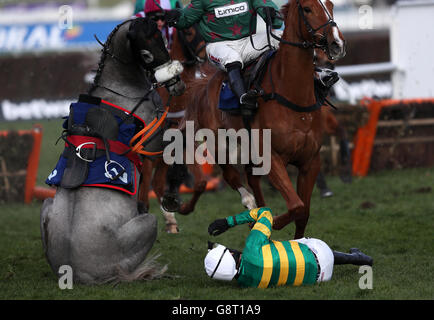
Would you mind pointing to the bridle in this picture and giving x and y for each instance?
(321, 44)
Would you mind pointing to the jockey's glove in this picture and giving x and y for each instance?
(218, 227)
(172, 17)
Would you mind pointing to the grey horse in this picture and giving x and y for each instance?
(99, 232)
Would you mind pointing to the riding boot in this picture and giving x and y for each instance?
(247, 99)
(355, 257)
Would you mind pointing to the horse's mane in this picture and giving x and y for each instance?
(104, 52)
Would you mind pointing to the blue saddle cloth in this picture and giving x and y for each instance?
(118, 173)
(228, 100)
(100, 174)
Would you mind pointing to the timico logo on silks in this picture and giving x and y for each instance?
(231, 10)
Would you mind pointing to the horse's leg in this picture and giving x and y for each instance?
(198, 189)
(158, 185)
(280, 180)
(145, 183)
(254, 182)
(233, 179)
(175, 176)
(307, 175)
(345, 155)
(322, 186)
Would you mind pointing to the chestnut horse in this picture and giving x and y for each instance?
(188, 47)
(296, 135)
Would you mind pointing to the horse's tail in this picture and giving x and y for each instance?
(149, 269)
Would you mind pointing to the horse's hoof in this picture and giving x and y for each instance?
(170, 202)
(172, 228)
(326, 193)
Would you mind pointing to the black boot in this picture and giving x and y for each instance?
(247, 99)
(355, 257)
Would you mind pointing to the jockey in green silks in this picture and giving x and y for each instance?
(264, 262)
(225, 25)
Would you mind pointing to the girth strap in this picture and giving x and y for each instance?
(87, 142)
(284, 102)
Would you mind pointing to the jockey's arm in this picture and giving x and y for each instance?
(190, 14)
(262, 217)
(261, 231)
(246, 216)
(257, 4)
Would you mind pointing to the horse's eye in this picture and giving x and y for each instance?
(147, 56)
(307, 10)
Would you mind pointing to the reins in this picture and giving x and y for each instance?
(303, 45)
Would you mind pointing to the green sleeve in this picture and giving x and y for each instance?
(247, 216)
(241, 218)
(261, 231)
(190, 14)
(277, 23)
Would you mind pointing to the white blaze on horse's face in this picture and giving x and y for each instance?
(336, 45)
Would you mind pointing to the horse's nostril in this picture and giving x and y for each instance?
(335, 45)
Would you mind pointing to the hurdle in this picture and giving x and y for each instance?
(366, 137)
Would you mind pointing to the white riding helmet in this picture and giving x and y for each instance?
(220, 264)
(324, 255)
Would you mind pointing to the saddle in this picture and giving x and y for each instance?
(97, 153)
(252, 74)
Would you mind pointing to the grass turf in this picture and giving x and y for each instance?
(388, 215)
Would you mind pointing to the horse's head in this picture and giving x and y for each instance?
(149, 48)
(147, 43)
(316, 25)
(193, 45)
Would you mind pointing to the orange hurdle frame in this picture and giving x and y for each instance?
(365, 136)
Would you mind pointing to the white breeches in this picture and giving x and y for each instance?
(224, 52)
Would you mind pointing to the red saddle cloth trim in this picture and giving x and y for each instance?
(115, 146)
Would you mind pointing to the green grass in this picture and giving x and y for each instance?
(397, 231)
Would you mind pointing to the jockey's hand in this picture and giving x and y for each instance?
(218, 227)
(172, 17)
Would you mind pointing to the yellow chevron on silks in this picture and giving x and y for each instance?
(267, 270)
(262, 228)
(254, 213)
(299, 258)
(267, 214)
(284, 263)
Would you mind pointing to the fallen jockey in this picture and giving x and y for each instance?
(264, 262)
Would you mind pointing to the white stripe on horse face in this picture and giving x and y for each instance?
(338, 39)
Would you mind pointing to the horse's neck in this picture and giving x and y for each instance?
(293, 70)
(127, 79)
